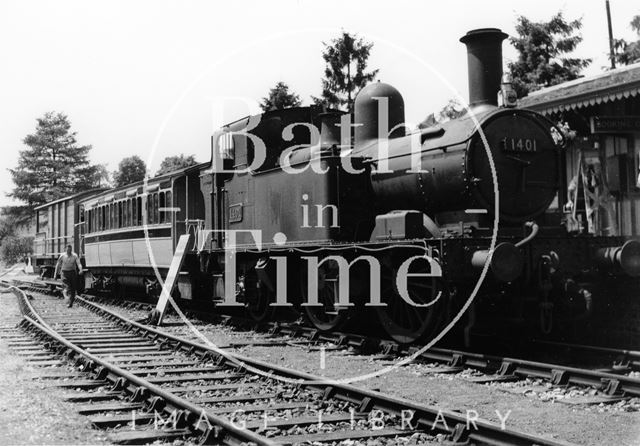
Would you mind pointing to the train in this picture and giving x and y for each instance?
(357, 220)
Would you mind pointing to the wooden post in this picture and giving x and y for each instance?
(170, 282)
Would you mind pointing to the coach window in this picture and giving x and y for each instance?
(112, 215)
(119, 225)
(156, 218)
(150, 209)
(128, 213)
(87, 220)
(161, 206)
(100, 218)
(139, 213)
(169, 205)
(134, 212)
(131, 211)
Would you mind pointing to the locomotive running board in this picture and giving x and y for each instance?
(157, 314)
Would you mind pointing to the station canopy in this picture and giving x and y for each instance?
(609, 86)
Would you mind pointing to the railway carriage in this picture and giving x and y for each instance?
(131, 232)
(58, 224)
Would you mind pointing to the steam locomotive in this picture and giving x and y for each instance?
(389, 227)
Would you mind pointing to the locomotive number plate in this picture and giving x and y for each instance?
(235, 213)
(519, 145)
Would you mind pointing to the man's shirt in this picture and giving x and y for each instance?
(69, 262)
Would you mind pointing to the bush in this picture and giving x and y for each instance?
(14, 249)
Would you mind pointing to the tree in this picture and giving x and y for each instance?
(53, 165)
(543, 48)
(171, 163)
(453, 110)
(279, 97)
(626, 52)
(14, 249)
(344, 74)
(130, 170)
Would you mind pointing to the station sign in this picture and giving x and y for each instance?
(615, 124)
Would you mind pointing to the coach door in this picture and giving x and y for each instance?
(179, 188)
(78, 230)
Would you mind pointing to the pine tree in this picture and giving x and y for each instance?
(280, 97)
(629, 52)
(130, 170)
(53, 165)
(344, 75)
(543, 48)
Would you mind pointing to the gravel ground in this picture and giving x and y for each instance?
(537, 411)
(30, 414)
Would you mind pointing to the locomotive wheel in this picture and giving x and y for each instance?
(328, 317)
(258, 307)
(405, 323)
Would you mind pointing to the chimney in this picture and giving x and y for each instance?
(484, 60)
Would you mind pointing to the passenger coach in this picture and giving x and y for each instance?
(130, 232)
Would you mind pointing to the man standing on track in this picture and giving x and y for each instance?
(68, 262)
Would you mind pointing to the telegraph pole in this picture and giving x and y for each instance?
(612, 54)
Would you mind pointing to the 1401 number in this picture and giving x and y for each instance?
(519, 144)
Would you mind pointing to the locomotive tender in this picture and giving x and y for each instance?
(390, 227)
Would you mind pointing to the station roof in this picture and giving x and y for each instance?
(604, 87)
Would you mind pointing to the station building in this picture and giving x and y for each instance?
(602, 164)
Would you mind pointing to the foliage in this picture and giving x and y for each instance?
(7, 227)
(16, 214)
(171, 163)
(628, 52)
(53, 165)
(130, 170)
(344, 75)
(11, 218)
(279, 97)
(14, 249)
(543, 49)
(453, 110)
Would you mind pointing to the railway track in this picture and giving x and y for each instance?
(612, 383)
(133, 375)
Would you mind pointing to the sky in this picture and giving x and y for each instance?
(156, 78)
